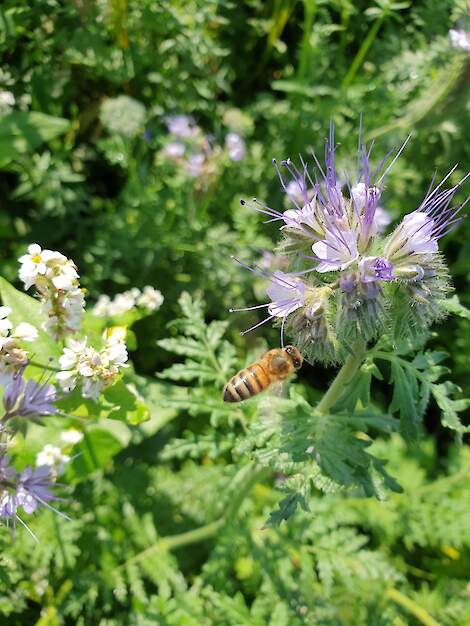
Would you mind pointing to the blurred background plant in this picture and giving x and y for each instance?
(128, 133)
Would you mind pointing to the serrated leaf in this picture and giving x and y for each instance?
(453, 305)
(184, 346)
(405, 401)
(449, 407)
(286, 508)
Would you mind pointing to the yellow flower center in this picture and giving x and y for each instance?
(36, 258)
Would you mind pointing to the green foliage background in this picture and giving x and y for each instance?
(167, 516)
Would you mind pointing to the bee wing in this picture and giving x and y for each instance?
(277, 389)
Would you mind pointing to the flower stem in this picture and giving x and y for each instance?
(253, 474)
(363, 50)
(50, 368)
(412, 607)
(343, 377)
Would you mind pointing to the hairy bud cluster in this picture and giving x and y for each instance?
(345, 280)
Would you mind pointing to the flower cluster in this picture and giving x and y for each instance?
(12, 355)
(26, 490)
(55, 278)
(23, 398)
(345, 280)
(196, 153)
(57, 457)
(149, 299)
(90, 369)
(7, 102)
(123, 115)
(460, 39)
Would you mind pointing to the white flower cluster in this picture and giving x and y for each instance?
(123, 115)
(460, 39)
(7, 101)
(57, 457)
(12, 355)
(93, 371)
(56, 280)
(149, 299)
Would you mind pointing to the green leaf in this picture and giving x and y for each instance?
(24, 308)
(22, 132)
(405, 400)
(286, 508)
(93, 452)
(453, 305)
(119, 402)
(450, 407)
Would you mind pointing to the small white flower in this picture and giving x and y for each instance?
(7, 99)
(195, 164)
(71, 436)
(460, 39)
(174, 150)
(101, 308)
(150, 298)
(52, 456)
(34, 264)
(92, 370)
(235, 146)
(122, 303)
(25, 332)
(5, 323)
(67, 380)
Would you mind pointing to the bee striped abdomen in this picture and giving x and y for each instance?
(246, 384)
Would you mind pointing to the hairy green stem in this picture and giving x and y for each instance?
(343, 377)
(253, 474)
(412, 607)
(50, 368)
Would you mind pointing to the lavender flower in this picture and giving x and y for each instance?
(344, 280)
(27, 490)
(181, 125)
(27, 398)
(287, 294)
(174, 150)
(460, 39)
(235, 146)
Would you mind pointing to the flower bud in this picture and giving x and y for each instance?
(409, 272)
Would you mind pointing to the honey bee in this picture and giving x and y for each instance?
(275, 365)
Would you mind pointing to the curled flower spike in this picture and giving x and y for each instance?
(56, 280)
(28, 398)
(344, 281)
(27, 490)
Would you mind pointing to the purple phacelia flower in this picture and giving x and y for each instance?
(174, 150)
(235, 146)
(355, 283)
(28, 398)
(181, 125)
(286, 292)
(195, 164)
(337, 251)
(26, 490)
(373, 268)
(418, 234)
